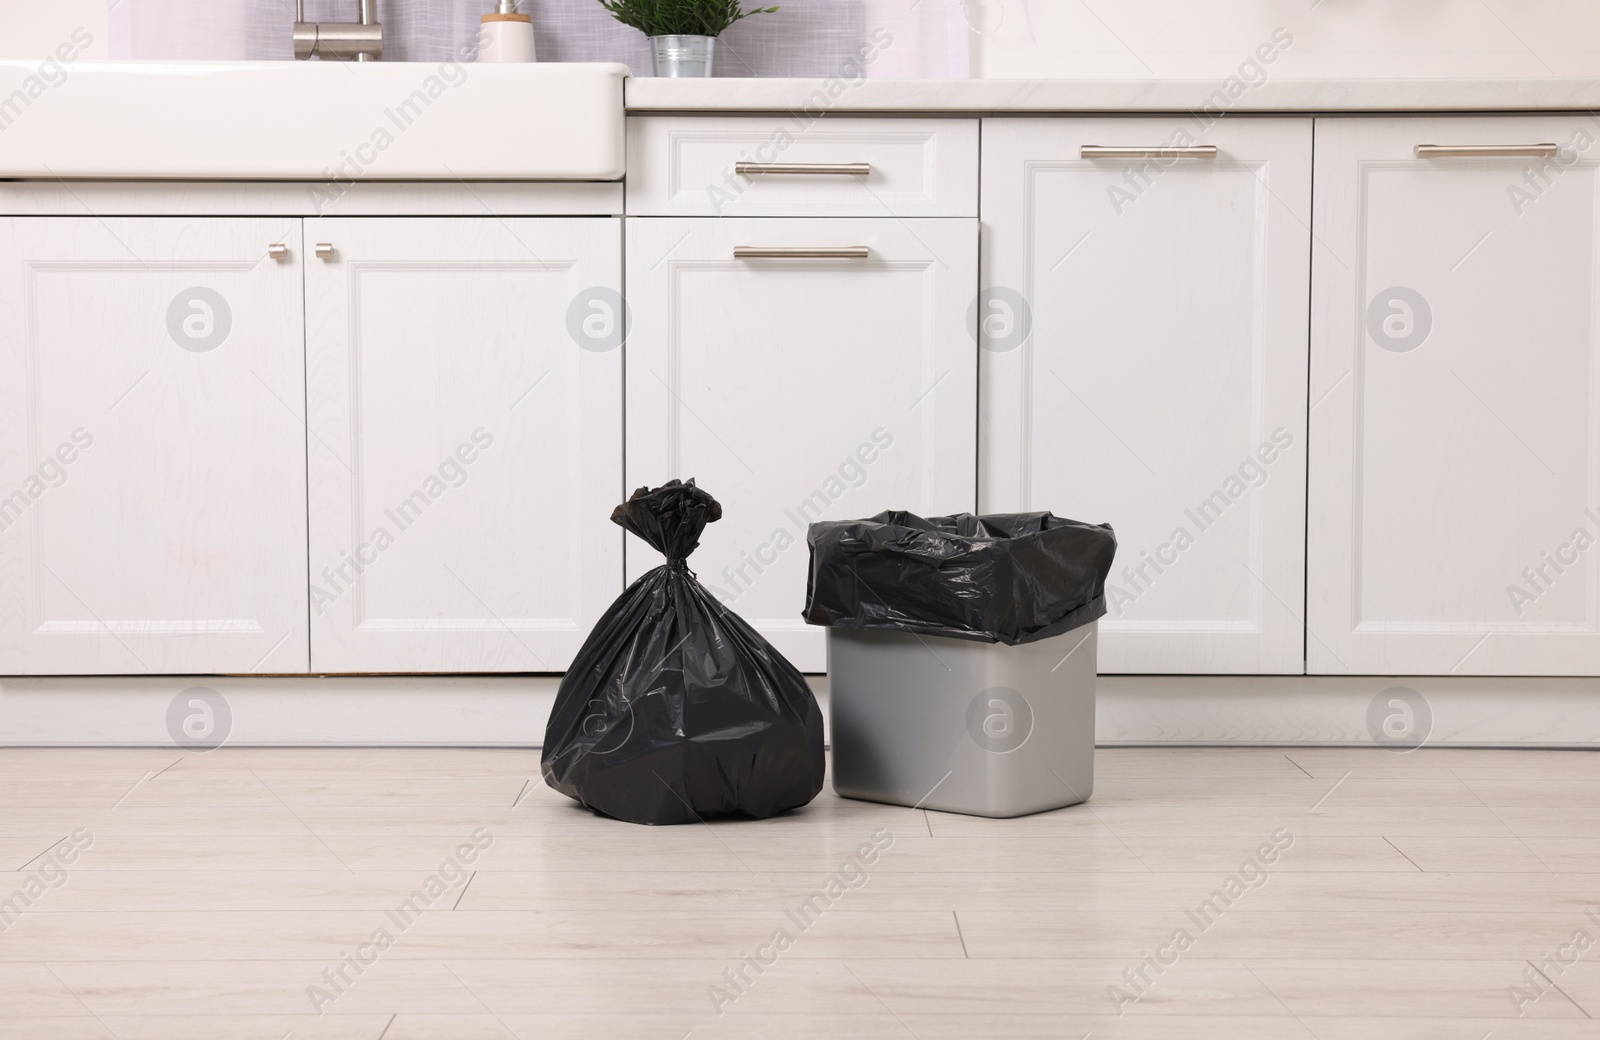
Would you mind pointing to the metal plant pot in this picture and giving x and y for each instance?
(683, 57)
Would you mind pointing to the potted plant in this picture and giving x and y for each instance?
(683, 33)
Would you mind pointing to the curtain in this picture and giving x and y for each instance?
(809, 38)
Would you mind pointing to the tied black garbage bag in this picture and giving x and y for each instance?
(1002, 578)
(675, 709)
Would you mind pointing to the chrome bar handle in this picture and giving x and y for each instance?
(1100, 151)
(278, 251)
(324, 250)
(800, 252)
(1477, 151)
(849, 169)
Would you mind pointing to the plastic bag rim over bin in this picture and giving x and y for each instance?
(996, 577)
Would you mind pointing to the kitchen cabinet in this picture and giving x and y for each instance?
(152, 446)
(799, 388)
(464, 399)
(1144, 331)
(1455, 419)
(390, 440)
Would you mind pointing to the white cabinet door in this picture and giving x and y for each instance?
(152, 447)
(1144, 364)
(796, 390)
(1455, 420)
(465, 406)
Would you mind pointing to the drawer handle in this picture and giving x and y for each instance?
(278, 251)
(324, 250)
(1100, 151)
(848, 169)
(800, 252)
(1470, 151)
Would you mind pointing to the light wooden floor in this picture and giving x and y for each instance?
(219, 888)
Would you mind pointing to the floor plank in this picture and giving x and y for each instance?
(421, 932)
(229, 894)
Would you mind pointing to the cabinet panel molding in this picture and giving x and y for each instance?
(466, 441)
(1456, 381)
(799, 389)
(152, 447)
(1145, 365)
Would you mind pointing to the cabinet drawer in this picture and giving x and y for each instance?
(792, 165)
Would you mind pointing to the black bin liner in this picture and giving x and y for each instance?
(675, 708)
(1001, 578)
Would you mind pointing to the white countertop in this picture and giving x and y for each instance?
(647, 94)
(318, 121)
(332, 122)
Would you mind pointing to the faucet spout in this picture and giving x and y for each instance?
(339, 41)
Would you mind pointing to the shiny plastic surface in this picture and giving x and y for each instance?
(1002, 578)
(675, 709)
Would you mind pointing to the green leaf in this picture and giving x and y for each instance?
(680, 17)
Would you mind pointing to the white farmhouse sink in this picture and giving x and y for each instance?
(312, 121)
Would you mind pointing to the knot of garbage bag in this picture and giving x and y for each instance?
(669, 517)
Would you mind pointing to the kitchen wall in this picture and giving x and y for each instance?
(1005, 38)
(820, 33)
(1136, 39)
(803, 38)
(33, 30)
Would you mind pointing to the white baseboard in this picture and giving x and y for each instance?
(352, 711)
(1343, 711)
(510, 711)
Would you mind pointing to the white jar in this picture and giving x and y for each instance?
(506, 36)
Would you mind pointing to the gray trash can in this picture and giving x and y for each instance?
(961, 656)
(963, 726)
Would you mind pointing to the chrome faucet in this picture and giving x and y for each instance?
(338, 41)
